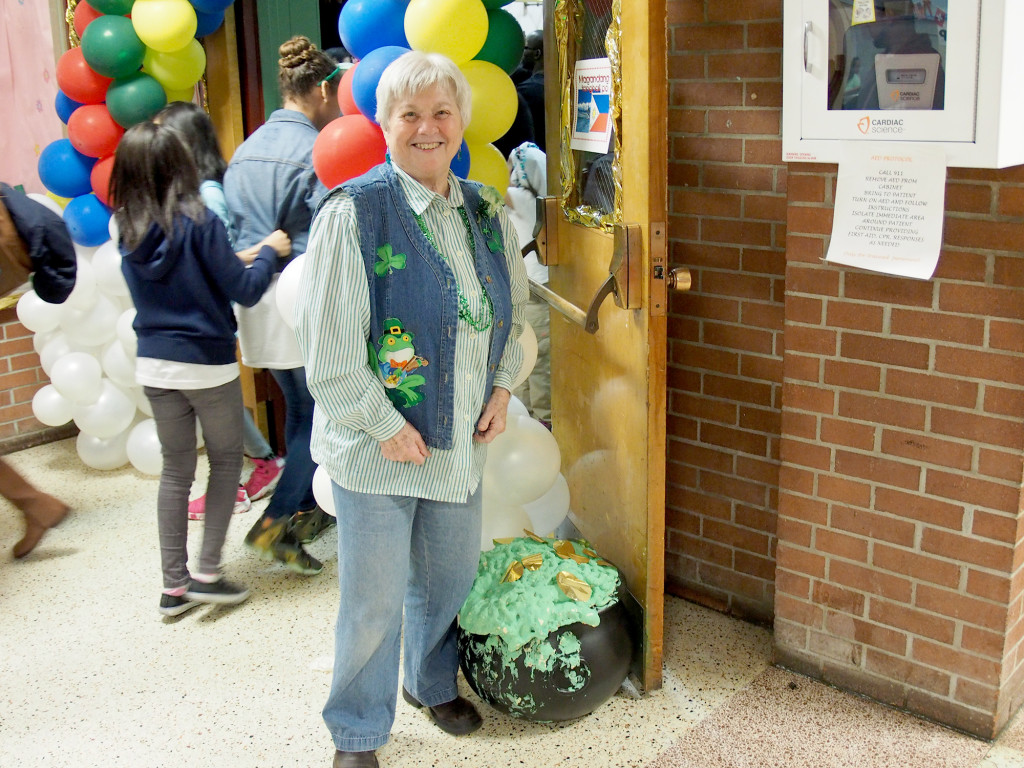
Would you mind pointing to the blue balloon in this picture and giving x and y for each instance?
(367, 75)
(64, 170)
(367, 24)
(211, 6)
(460, 163)
(208, 23)
(87, 220)
(65, 106)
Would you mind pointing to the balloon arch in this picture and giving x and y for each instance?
(136, 56)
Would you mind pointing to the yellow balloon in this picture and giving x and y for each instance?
(456, 28)
(164, 25)
(181, 94)
(487, 165)
(494, 102)
(178, 69)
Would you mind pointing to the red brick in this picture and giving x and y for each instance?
(799, 560)
(931, 388)
(838, 599)
(848, 434)
(933, 511)
(841, 373)
(793, 584)
(870, 286)
(882, 410)
(914, 675)
(870, 581)
(812, 279)
(911, 620)
(1000, 465)
(927, 449)
(916, 566)
(922, 324)
(834, 543)
(988, 585)
(798, 611)
(982, 642)
(971, 490)
(999, 527)
(978, 428)
(885, 350)
(877, 469)
(873, 526)
(988, 235)
(965, 664)
(844, 490)
(966, 548)
(964, 608)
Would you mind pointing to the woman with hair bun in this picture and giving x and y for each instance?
(270, 184)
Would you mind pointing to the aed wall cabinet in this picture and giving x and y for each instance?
(920, 72)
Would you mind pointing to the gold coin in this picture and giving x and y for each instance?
(534, 536)
(564, 549)
(589, 552)
(533, 562)
(513, 573)
(579, 558)
(499, 542)
(573, 586)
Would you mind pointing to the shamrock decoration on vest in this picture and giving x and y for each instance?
(395, 359)
(388, 261)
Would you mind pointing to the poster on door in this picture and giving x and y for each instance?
(592, 123)
(889, 209)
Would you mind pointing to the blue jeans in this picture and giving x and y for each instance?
(395, 550)
(219, 410)
(294, 492)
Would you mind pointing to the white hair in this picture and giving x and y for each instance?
(417, 71)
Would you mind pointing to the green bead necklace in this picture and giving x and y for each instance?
(464, 313)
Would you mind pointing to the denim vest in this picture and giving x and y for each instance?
(414, 310)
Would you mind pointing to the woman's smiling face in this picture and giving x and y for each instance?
(423, 134)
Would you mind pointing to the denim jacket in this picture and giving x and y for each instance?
(414, 308)
(270, 183)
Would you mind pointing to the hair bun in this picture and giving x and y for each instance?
(295, 52)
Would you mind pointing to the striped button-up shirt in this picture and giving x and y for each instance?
(353, 414)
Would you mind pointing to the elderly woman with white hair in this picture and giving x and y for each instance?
(412, 304)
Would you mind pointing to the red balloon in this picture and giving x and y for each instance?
(84, 13)
(347, 147)
(100, 179)
(78, 80)
(93, 131)
(345, 100)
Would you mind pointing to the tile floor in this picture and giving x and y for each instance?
(92, 675)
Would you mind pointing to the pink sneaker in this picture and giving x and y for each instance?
(263, 479)
(197, 507)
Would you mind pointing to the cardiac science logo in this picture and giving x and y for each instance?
(880, 126)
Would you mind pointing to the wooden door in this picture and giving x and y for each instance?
(605, 243)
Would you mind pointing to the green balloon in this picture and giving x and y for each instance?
(135, 98)
(111, 47)
(505, 40)
(113, 7)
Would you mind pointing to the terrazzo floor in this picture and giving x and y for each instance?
(91, 674)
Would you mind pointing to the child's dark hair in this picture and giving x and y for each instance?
(192, 122)
(302, 66)
(154, 180)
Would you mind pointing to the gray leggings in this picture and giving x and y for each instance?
(219, 410)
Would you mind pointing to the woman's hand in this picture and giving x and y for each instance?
(279, 241)
(492, 422)
(407, 445)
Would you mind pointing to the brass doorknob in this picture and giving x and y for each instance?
(679, 279)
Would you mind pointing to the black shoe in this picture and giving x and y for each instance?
(457, 717)
(355, 759)
(289, 551)
(220, 592)
(175, 605)
(308, 526)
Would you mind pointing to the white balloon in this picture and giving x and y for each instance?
(49, 202)
(78, 376)
(288, 289)
(501, 520)
(528, 341)
(323, 491)
(126, 333)
(144, 448)
(548, 512)
(56, 348)
(522, 462)
(84, 252)
(111, 414)
(107, 265)
(40, 340)
(94, 326)
(37, 315)
(117, 365)
(51, 407)
(114, 230)
(83, 296)
(516, 408)
(103, 453)
(142, 401)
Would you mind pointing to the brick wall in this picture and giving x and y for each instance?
(727, 223)
(20, 378)
(902, 441)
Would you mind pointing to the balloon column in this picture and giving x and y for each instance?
(484, 40)
(134, 57)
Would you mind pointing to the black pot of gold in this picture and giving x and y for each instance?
(544, 634)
